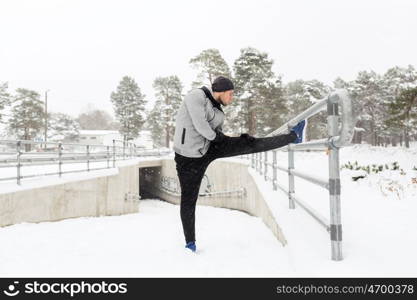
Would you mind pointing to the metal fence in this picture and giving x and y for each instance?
(340, 131)
(23, 155)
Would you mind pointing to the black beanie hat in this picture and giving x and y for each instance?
(221, 84)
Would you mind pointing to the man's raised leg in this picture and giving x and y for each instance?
(234, 146)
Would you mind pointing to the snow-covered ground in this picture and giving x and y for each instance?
(148, 243)
(378, 217)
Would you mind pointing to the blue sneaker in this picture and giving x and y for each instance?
(298, 130)
(191, 246)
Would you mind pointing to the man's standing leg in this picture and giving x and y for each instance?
(190, 173)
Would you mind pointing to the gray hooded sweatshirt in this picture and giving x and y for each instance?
(196, 122)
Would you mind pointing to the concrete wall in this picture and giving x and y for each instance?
(226, 175)
(104, 195)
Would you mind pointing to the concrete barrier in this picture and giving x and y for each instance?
(96, 195)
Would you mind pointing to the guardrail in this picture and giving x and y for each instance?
(338, 137)
(22, 153)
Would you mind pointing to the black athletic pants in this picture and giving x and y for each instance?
(191, 170)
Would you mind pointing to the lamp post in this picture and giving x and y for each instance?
(46, 117)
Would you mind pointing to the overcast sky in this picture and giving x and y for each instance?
(80, 49)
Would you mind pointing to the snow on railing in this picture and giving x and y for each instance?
(338, 137)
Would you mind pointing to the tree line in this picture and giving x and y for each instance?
(385, 105)
(24, 115)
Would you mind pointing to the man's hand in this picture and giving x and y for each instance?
(248, 137)
(220, 137)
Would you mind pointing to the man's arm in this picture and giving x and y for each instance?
(195, 103)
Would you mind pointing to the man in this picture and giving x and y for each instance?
(199, 140)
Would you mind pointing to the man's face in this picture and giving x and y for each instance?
(226, 97)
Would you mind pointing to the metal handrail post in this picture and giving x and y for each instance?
(108, 156)
(260, 163)
(88, 158)
(18, 165)
(266, 166)
(291, 188)
(60, 159)
(274, 170)
(131, 150)
(252, 156)
(114, 153)
(334, 183)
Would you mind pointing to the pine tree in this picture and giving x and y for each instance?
(209, 64)
(403, 112)
(4, 98)
(155, 126)
(168, 100)
(274, 112)
(300, 95)
(368, 97)
(27, 115)
(63, 127)
(96, 119)
(256, 86)
(397, 80)
(129, 107)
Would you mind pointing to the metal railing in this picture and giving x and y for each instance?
(22, 154)
(338, 137)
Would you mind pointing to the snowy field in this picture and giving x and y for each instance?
(378, 216)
